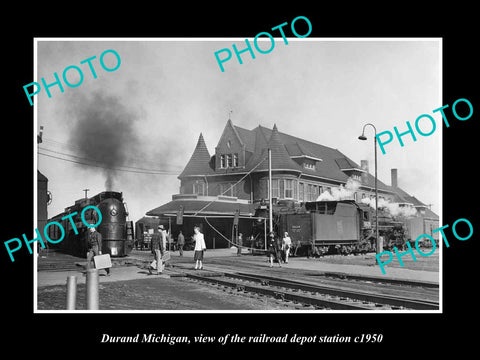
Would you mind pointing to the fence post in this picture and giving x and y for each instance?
(71, 292)
(92, 289)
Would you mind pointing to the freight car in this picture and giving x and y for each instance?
(329, 227)
(117, 232)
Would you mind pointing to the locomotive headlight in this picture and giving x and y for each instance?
(113, 212)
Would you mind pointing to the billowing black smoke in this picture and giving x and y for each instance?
(103, 130)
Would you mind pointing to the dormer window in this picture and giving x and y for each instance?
(228, 161)
(356, 177)
(309, 165)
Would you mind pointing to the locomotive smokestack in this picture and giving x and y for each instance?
(394, 178)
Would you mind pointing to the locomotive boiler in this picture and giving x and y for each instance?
(117, 232)
(329, 227)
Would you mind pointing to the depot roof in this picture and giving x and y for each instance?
(203, 205)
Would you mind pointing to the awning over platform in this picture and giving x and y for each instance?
(212, 206)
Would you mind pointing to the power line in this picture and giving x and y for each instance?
(160, 172)
(231, 187)
(99, 161)
(76, 147)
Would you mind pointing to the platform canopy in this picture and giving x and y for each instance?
(204, 206)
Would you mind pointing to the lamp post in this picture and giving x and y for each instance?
(363, 137)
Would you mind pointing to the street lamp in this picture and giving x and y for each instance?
(363, 137)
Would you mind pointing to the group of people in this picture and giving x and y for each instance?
(279, 250)
(159, 247)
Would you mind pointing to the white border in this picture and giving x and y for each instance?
(378, 39)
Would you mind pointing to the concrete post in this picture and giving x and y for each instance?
(92, 289)
(71, 292)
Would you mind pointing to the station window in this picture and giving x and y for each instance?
(222, 161)
(288, 189)
(275, 189)
(301, 192)
(235, 160)
(309, 192)
(199, 188)
(229, 160)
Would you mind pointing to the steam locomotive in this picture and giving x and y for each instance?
(117, 232)
(329, 227)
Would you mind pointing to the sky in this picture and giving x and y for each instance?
(167, 91)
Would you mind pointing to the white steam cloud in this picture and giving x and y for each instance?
(393, 208)
(347, 193)
(341, 193)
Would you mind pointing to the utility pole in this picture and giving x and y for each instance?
(270, 218)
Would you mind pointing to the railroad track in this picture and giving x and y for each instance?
(372, 279)
(321, 297)
(407, 288)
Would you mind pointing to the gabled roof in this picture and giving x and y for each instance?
(328, 168)
(234, 130)
(402, 197)
(430, 214)
(280, 157)
(284, 149)
(247, 137)
(199, 163)
(297, 150)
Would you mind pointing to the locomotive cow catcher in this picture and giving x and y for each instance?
(329, 227)
(117, 232)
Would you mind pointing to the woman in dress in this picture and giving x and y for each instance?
(273, 251)
(200, 247)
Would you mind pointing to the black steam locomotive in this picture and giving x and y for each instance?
(329, 227)
(117, 232)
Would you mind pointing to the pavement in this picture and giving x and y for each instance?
(132, 270)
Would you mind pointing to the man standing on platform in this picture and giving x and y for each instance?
(94, 247)
(181, 242)
(158, 248)
(163, 234)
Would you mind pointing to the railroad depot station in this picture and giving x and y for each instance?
(213, 187)
(217, 190)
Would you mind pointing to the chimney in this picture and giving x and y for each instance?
(394, 178)
(364, 166)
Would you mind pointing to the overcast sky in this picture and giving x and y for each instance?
(165, 93)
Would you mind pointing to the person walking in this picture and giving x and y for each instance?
(286, 245)
(200, 247)
(272, 251)
(158, 248)
(180, 242)
(94, 247)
